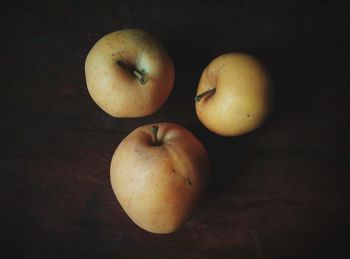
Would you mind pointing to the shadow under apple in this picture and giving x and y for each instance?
(229, 157)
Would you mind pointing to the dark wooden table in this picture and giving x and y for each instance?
(279, 192)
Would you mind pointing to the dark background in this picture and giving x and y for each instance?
(279, 192)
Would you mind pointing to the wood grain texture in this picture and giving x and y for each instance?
(279, 192)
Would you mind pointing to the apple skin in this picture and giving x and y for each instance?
(243, 97)
(114, 88)
(159, 186)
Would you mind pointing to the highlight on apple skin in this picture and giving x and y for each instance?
(129, 73)
(234, 94)
(158, 174)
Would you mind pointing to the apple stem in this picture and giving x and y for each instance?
(154, 131)
(143, 79)
(208, 92)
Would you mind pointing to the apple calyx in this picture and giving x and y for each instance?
(132, 70)
(154, 131)
(208, 92)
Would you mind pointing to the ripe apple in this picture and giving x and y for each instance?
(158, 173)
(234, 94)
(129, 73)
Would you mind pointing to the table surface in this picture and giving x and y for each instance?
(279, 192)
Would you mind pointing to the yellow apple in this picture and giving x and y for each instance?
(158, 173)
(234, 94)
(129, 73)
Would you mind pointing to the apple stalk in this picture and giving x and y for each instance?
(154, 131)
(142, 78)
(208, 92)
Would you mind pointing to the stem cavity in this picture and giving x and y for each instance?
(208, 92)
(154, 131)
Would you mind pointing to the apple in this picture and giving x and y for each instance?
(129, 73)
(158, 174)
(234, 94)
